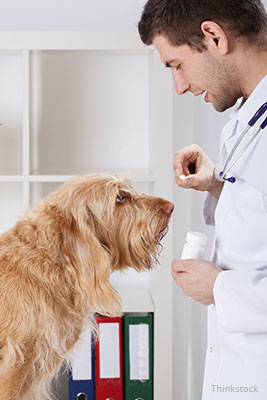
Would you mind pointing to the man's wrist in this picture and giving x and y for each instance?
(216, 188)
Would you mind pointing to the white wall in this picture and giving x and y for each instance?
(70, 14)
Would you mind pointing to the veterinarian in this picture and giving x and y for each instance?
(218, 48)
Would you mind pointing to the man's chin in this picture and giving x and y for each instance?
(222, 105)
(220, 108)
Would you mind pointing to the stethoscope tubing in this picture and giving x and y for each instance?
(220, 175)
(243, 133)
(242, 151)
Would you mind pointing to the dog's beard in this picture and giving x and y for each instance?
(139, 245)
(159, 235)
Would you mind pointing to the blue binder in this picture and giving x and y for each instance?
(83, 389)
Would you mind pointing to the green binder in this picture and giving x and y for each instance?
(138, 356)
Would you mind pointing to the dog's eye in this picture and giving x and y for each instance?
(121, 197)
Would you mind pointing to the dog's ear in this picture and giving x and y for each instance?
(87, 261)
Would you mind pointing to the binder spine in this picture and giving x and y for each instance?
(82, 374)
(109, 359)
(138, 357)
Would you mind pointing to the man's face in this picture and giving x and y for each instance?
(200, 73)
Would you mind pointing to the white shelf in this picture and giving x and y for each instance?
(91, 102)
(26, 112)
(71, 40)
(135, 176)
(35, 178)
(136, 300)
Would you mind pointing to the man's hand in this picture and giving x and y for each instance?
(195, 165)
(196, 278)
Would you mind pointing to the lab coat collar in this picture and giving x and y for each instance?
(244, 112)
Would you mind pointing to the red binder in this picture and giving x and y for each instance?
(109, 359)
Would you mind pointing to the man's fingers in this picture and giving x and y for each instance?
(180, 266)
(185, 157)
(180, 279)
(190, 181)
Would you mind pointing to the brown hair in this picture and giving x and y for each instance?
(180, 20)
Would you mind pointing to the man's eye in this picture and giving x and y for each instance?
(178, 67)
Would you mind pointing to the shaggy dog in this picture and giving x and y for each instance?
(55, 266)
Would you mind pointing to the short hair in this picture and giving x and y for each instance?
(180, 20)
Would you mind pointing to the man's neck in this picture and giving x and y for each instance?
(252, 66)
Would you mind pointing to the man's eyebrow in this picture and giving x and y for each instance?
(168, 63)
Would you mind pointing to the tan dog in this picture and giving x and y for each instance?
(54, 273)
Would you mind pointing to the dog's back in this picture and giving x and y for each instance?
(36, 321)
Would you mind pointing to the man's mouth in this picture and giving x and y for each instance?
(206, 97)
(199, 93)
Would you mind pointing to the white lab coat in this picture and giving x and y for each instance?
(236, 359)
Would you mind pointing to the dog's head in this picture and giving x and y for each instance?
(108, 226)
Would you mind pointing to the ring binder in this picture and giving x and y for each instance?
(82, 396)
(138, 356)
(109, 359)
(82, 374)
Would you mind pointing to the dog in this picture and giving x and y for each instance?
(55, 265)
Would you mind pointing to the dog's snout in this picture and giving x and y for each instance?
(168, 208)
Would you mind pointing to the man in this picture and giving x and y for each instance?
(219, 48)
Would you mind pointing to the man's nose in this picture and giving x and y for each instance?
(181, 84)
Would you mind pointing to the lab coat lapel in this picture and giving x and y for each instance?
(251, 167)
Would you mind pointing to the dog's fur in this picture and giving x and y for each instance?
(54, 273)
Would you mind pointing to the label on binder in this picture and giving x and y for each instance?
(109, 350)
(139, 352)
(81, 365)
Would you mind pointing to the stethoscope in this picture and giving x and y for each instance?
(220, 174)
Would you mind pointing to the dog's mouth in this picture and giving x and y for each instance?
(155, 252)
(165, 223)
(163, 232)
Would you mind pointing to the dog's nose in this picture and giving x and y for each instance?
(168, 208)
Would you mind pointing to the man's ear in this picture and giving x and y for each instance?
(216, 38)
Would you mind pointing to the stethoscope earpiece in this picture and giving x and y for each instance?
(219, 175)
(232, 179)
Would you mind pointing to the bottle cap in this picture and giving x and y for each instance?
(196, 238)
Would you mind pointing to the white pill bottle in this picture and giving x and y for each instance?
(194, 246)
